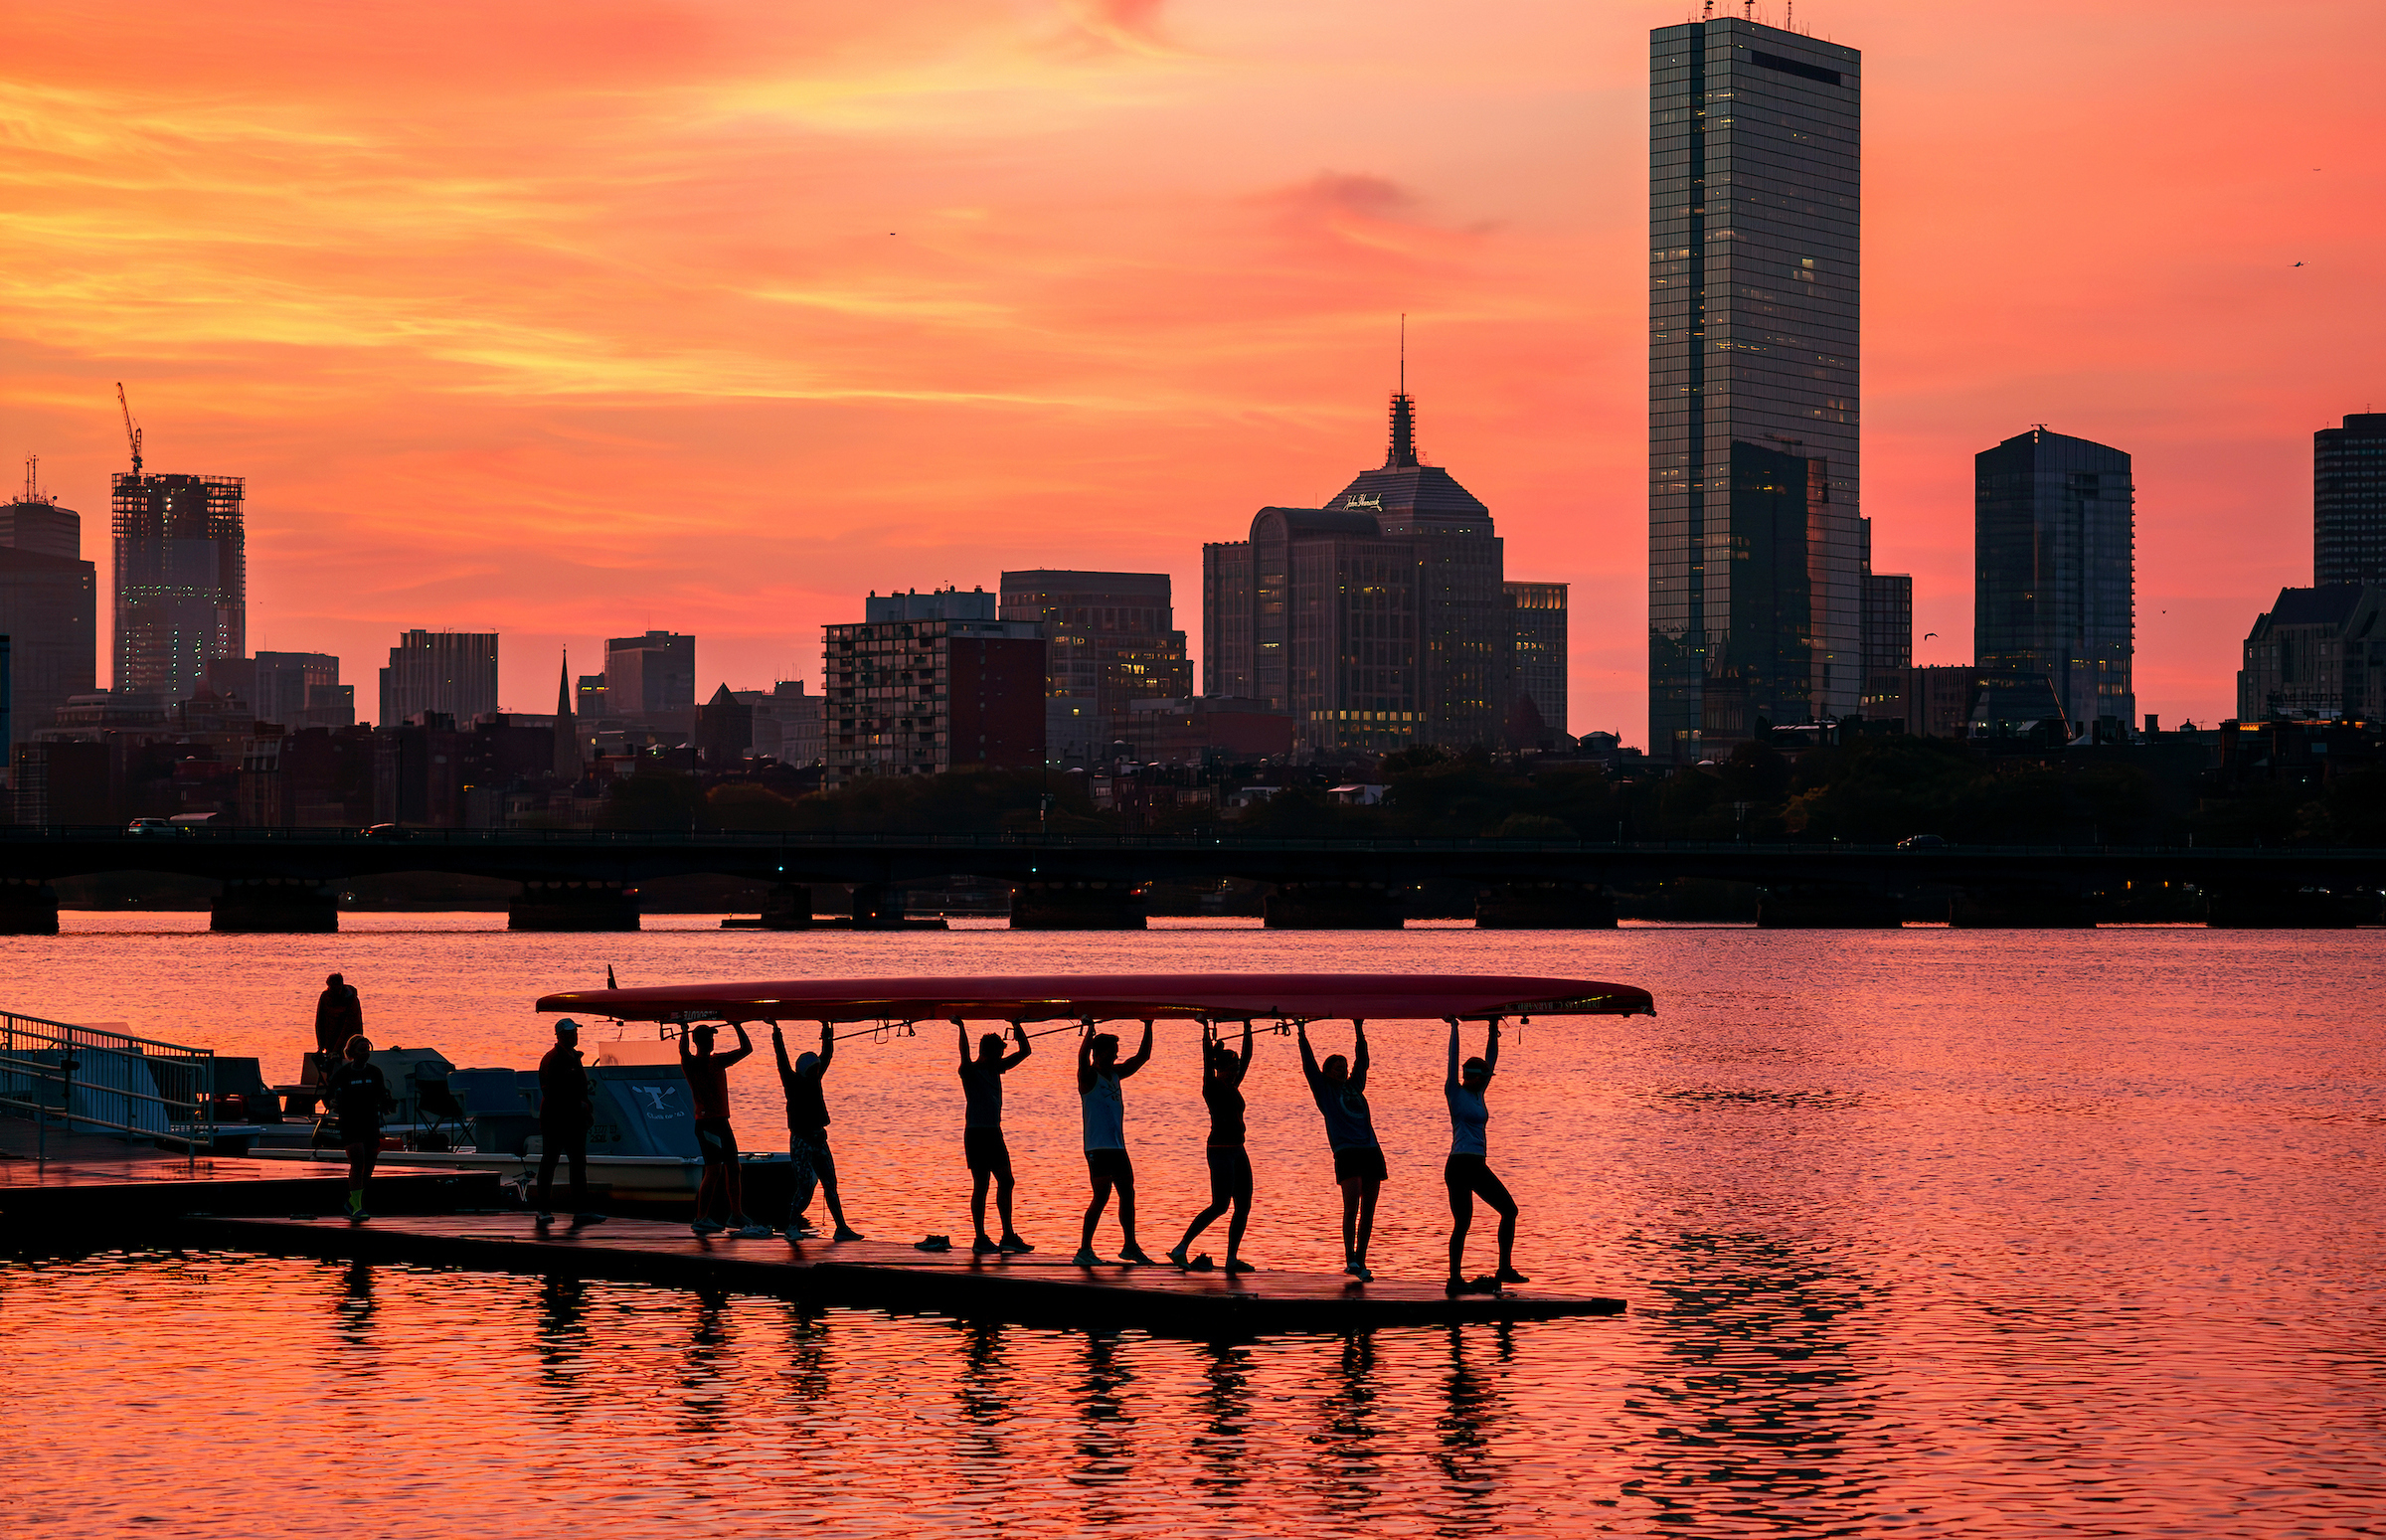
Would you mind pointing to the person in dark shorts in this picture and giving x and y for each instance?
(808, 1134)
(358, 1093)
(1104, 1106)
(982, 1145)
(1340, 1091)
(707, 1086)
(1466, 1175)
(565, 1113)
(1222, 1071)
(339, 1017)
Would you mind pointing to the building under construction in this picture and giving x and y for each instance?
(182, 580)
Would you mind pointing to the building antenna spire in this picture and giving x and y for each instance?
(1404, 352)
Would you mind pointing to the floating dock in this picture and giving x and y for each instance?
(97, 1182)
(1037, 1288)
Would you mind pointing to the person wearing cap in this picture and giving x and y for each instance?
(808, 1134)
(720, 1191)
(565, 1111)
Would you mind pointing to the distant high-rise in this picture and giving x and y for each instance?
(48, 607)
(455, 672)
(2312, 654)
(650, 676)
(1537, 667)
(1110, 640)
(286, 684)
(2055, 573)
(182, 579)
(1888, 614)
(2349, 501)
(1755, 583)
(928, 683)
(1378, 621)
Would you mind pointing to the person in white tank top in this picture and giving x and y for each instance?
(1104, 1104)
(1467, 1172)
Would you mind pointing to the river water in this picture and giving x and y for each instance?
(1924, 1232)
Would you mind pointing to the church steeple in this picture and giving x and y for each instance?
(567, 729)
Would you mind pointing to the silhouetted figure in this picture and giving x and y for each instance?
(808, 1134)
(339, 1017)
(1222, 1071)
(1104, 1107)
(1466, 1175)
(1340, 1091)
(565, 1113)
(721, 1191)
(982, 1143)
(358, 1093)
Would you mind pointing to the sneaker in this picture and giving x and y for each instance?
(708, 1226)
(1454, 1287)
(1510, 1276)
(751, 1233)
(1238, 1265)
(1085, 1257)
(984, 1246)
(544, 1220)
(932, 1243)
(1133, 1256)
(1201, 1263)
(1011, 1243)
(801, 1231)
(1358, 1269)
(846, 1233)
(1177, 1253)
(358, 1216)
(583, 1221)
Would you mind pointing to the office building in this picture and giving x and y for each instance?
(2316, 652)
(1203, 729)
(1379, 621)
(2349, 501)
(928, 683)
(1537, 664)
(49, 610)
(182, 579)
(286, 687)
(451, 672)
(590, 695)
(2054, 563)
(650, 676)
(787, 723)
(1110, 640)
(1755, 581)
(1930, 702)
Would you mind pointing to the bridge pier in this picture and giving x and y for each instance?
(573, 906)
(273, 904)
(877, 906)
(1333, 906)
(1545, 906)
(2288, 909)
(788, 907)
(2022, 908)
(1813, 906)
(28, 907)
(1077, 906)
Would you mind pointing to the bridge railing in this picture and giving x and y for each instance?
(97, 1080)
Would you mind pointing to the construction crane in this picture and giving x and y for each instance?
(132, 435)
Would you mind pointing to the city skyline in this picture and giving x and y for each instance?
(562, 464)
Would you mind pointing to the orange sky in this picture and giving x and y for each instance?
(576, 320)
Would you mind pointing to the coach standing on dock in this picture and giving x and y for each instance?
(565, 1113)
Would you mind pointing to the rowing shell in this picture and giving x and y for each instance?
(1117, 997)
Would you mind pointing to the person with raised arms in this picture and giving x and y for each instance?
(808, 1134)
(1222, 1071)
(1340, 1092)
(720, 1190)
(1466, 1175)
(982, 1145)
(1099, 1072)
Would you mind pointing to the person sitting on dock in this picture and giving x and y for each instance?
(707, 1086)
(565, 1113)
(1222, 1071)
(1098, 1072)
(982, 1145)
(808, 1134)
(339, 1017)
(1340, 1091)
(1466, 1173)
(357, 1094)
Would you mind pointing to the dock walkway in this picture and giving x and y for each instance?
(98, 1181)
(1037, 1289)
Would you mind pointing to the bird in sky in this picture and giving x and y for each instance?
(1930, 636)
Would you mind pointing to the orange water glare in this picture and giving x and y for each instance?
(574, 320)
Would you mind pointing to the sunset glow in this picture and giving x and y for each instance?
(574, 321)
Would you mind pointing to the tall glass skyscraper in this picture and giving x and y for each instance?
(1756, 590)
(2349, 501)
(2054, 550)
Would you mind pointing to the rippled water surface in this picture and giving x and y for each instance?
(1925, 1231)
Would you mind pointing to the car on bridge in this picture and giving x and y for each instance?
(1922, 843)
(149, 826)
(388, 831)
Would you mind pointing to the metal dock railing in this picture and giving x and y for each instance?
(95, 1081)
